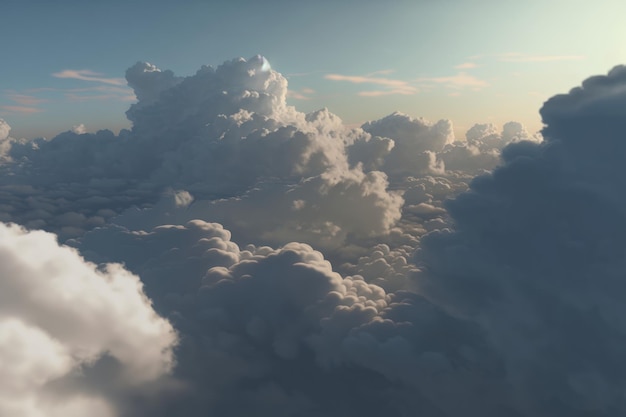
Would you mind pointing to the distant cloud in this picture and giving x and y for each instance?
(79, 129)
(90, 97)
(381, 72)
(87, 75)
(25, 100)
(21, 109)
(303, 94)
(466, 65)
(395, 86)
(460, 80)
(519, 57)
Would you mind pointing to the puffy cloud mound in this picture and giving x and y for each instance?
(415, 143)
(537, 256)
(269, 331)
(5, 129)
(223, 132)
(61, 319)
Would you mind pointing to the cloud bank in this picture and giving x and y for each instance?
(294, 266)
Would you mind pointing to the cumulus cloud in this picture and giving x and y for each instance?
(536, 256)
(60, 316)
(309, 268)
(303, 339)
(224, 132)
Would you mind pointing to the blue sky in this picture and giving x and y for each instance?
(468, 61)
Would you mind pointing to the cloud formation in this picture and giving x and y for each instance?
(313, 269)
(60, 318)
(536, 256)
(88, 75)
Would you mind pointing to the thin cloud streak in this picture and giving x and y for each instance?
(25, 100)
(396, 86)
(466, 65)
(87, 75)
(21, 109)
(460, 80)
(519, 57)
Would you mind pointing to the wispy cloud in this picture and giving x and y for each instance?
(95, 92)
(466, 65)
(519, 57)
(25, 100)
(394, 86)
(303, 94)
(21, 109)
(88, 75)
(460, 80)
(90, 97)
(381, 72)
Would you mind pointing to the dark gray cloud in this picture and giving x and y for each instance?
(279, 332)
(536, 256)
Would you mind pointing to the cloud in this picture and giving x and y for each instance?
(5, 129)
(313, 269)
(79, 129)
(25, 100)
(60, 317)
(21, 109)
(461, 80)
(394, 86)
(250, 315)
(466, 65)
(519, 57)
(415, 142)
(536, 259)
(303, 94)
(88, 75)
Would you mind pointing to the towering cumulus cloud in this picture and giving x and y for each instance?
(296, 267)
(537, 256)
(222, 133)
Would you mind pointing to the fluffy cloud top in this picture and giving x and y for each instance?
(60, 315)
(302, 338)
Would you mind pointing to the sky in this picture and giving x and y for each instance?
(324, 210)
(468, 61)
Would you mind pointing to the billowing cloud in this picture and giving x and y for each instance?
(313, 269)
(60, 318)
(303, 339)
(536, 256)
(224, 132)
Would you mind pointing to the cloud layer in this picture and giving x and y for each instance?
(313, 269)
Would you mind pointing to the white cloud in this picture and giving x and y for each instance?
(59, 314)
